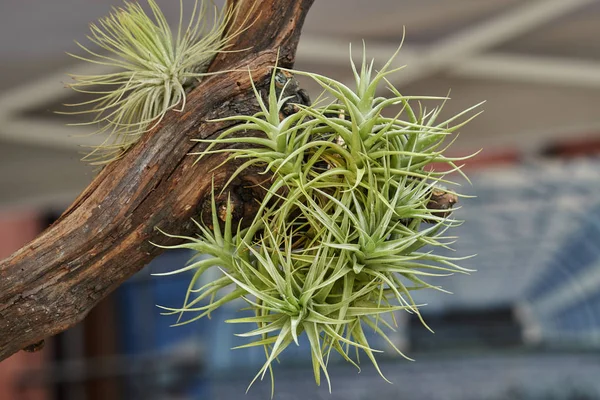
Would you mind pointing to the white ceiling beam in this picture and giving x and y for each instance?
(45, 90)
(487, 34)
(511, 24)
(492, 66)
(531, 69)
(48, 133)
(16, 127)
(453, 51)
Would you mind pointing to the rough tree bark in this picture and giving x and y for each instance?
(104, 236)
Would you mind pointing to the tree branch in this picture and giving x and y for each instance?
(104, 236)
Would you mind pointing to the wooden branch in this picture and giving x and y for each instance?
(104, 236)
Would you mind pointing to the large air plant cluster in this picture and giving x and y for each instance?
(344, 233)
(152, 68)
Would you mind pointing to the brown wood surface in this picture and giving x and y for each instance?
(104, 237)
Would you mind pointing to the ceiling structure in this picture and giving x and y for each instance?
(535, 62)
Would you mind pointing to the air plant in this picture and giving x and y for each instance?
(344, 233)
(152, 69)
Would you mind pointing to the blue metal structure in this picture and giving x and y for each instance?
(535, 229)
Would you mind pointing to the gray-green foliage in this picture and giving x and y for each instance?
(339, 239)
(151, 69)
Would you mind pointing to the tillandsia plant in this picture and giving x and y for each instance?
(152, 69)
(346, 230)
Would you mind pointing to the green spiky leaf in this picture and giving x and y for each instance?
(344, 233)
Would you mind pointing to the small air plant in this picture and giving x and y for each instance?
(344, 233)
(152, 69)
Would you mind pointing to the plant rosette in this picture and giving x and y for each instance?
(152, 69)
(346, 230)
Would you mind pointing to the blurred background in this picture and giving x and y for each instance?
(526, 325)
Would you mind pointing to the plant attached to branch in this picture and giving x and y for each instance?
(151, 67)
(346, 230)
